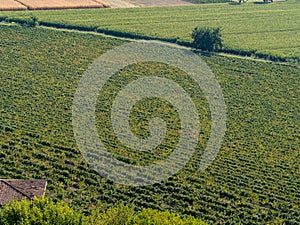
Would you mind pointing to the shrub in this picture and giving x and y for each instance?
(207, 38)
(39, 212)
(42, 211)
(121, 214)
(155, 217)
(31, 21)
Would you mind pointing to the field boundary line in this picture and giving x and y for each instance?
(22, 4)
(105, 4)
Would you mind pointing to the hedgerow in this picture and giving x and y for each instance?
(44, 211)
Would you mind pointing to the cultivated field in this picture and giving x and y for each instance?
(11, 5)
(53, 4)
(268, 30)
(254, 180)
(145, 3)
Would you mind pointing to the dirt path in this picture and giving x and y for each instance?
(144, 3)
(119, 4)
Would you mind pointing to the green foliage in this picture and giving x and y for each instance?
(43, 211)
(143, 111)
(39, 212)
(117, 215)
(155, 217)
(27, 21)
(40, 70)
(32, 21)
(207, 38)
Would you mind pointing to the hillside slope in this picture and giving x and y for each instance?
(255, 178)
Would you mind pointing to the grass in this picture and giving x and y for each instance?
(254, 179)
(265, 30)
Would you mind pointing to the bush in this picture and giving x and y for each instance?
(207, 38)
(155, 217)
(32, 21)
(42, 211)
(39, 212)
(121, 214)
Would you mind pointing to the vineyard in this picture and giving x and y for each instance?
(263, 30)
(254, 180)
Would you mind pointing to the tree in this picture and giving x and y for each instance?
(207, 38)
(31, 21)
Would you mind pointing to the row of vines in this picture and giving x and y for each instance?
(255, 178)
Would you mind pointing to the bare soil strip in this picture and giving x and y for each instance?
(6, 5)
(62, 4)
(145, 3)
(74, 4)
(105, 4)
(120, 4)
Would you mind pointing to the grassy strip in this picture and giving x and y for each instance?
(268, 31)
(240, 52)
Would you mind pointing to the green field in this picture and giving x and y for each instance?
(264, 29)
(254, 180)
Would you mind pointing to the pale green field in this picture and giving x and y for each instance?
(271, 29)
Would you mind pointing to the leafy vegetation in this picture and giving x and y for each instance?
(39, 211)
(150, 216)
(207, 38)
(265, 30)
(255, 178)
(32, 21)
(44, 211)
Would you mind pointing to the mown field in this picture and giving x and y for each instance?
(263, 29)
(254, 180)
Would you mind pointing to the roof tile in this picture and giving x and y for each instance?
(18, 189)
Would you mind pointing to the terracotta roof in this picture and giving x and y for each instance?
(19, 189)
